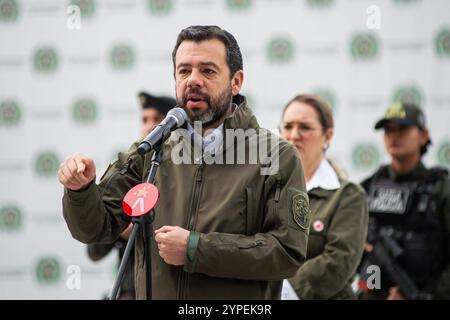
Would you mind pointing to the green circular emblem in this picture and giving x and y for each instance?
(10, 113)
(10, 218)
(364, 47)
(9, 10)
(319, 3)
(328, 95)
(45, 60)
(366, 156)
(46, 164)
(444, 154)
(84, 111)
(87, 7)
(442, 43)
(160, 7)
(280, 50)
(48, 270)
(122, 57)
(239, 5)
(408, 95)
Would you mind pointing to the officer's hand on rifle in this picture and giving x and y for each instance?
(368, 247)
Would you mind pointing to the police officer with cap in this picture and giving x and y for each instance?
(407, 255)
(154, 110)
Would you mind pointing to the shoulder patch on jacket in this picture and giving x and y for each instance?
(298, 207)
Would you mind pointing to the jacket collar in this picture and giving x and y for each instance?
(417, 173)
(242, 117)
(324, 178)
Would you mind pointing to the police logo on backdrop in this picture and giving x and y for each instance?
(10, 113)
(365, 156)
(280, 50)
(87, 7)
(46, 164)
(239, 5)
(160, 7)
(328, 95)
(84, 111)
(444, 153)
(442, 43)
(9, 10)
(320, 3)
(45, 60)
(122, 57)
(364, 47)
(388, 198)
(10, 218)
(411, 94)
(48, 270)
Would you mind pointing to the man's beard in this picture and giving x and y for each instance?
(216, 107)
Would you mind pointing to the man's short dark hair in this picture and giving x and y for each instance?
(200, 33)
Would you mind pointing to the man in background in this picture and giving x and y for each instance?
(154, 110)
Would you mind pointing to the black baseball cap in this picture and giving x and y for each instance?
(402, 113)
(161, 103)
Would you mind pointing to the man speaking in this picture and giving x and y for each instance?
(223, 229)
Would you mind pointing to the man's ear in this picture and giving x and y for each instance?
(236, 82)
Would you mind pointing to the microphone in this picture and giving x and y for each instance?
(175, 118)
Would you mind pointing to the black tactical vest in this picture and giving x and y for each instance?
(409, 210)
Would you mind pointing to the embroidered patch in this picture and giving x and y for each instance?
(391, 199)
(300, 210)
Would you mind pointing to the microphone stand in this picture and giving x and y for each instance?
(145, 221)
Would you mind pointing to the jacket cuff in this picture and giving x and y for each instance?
(192, 245)
(77, 197)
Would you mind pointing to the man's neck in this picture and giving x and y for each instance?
(405, 165)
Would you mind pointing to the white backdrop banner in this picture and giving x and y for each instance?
(70, 72)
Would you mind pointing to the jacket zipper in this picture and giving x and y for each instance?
(183, 280)
(277, 194)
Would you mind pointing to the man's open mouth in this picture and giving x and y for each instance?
(195, 98)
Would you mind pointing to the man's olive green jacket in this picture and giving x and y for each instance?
(248, 230)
